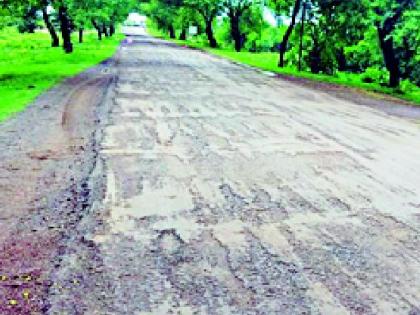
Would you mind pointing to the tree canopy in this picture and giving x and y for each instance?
(66, 16)
(380, 38)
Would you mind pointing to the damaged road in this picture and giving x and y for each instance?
(168, 181)
(47, 157)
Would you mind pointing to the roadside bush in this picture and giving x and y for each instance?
(415, 76)
(265, 41)
(406, 86)
(222, 33)
(374, 75)
(365, 53)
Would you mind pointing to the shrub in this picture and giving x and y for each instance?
(406, 86)
(374, 75)
(264, 41)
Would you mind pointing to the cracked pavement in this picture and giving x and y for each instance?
(219, 189)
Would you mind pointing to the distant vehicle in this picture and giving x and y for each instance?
(135, 19)
(138, 24)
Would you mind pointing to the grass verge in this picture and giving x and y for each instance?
(29, 66)
(268, 62)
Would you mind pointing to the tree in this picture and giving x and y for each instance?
(28, 18)
(334, 26)
(61, 6)
(281, 7)
(186, 16)
(71, 14)
(164, 13)
(407, 40)
(55, 41)
(208, 9)
(302, 31)
(65, 26)
(23, 13)
(327, 28)
(235, 10)
(388, 15)
(80, 13)
(99, 14)
(5, 17)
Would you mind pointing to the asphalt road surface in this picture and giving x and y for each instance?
(168, 181)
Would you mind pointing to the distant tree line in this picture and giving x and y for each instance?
(62, 17)
(380, 38)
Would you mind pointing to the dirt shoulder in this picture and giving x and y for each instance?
(46, 154)
(386, 103)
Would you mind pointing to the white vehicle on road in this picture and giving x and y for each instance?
(135, 24)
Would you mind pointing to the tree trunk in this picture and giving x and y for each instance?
(315, 52)
(391, 61)
(55, 41)
(386, 41)
(302, 32)
(283, 44)
(172, 32)
(111, 29)
(341, 60)
(80, 35)
(315, 59)
(105, 30)
(65, 29)
(98, 29)
(199, 30)
(235, 31)
(408, 55)
(210, 34)
(30, 20)
(183, 35)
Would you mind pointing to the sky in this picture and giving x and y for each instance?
(269, 17)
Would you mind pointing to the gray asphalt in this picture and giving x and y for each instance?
(214, 188)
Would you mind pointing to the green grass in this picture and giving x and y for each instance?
(268, 61)
(29, 66)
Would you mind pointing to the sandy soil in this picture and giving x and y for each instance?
(168, 181)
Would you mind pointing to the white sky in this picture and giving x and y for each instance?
(269, 17)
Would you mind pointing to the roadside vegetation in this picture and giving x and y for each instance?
(31, 33)
(372, 45)
(30, 65)
(369, 44)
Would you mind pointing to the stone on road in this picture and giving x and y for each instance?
(223, 190)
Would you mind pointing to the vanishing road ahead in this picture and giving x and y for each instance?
(192, 185)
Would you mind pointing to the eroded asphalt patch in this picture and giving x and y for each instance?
(209, 188)
(47, 157)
